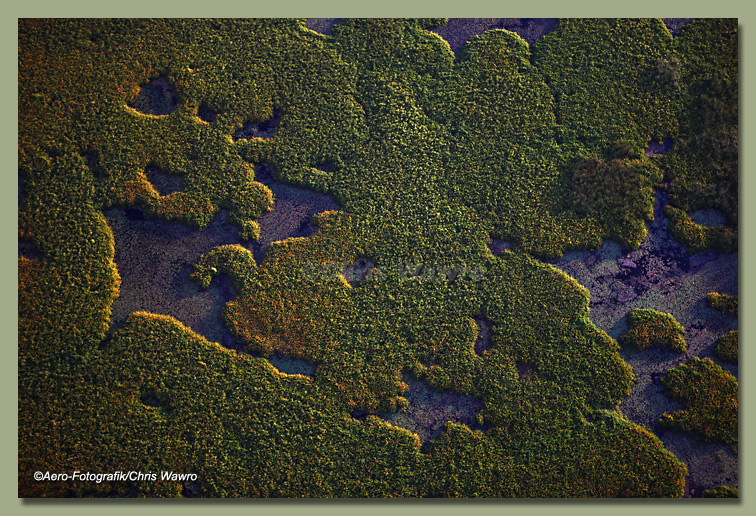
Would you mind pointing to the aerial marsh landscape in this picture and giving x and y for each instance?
(371, 258)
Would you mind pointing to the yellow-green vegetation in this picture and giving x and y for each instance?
(649, 328)
(159, 398)
(724, 303)
(428, 158)
(721, 492)
(710, 395)
(696, 237)
(615, 96)
(726, 347)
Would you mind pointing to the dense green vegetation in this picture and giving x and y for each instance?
(696, 237)
(429, 157)
(724, 303)
(648, 328)
(702, 166)
(726, 347)
(721, 492)
(160, 398)
(711, 397)
(619, 191)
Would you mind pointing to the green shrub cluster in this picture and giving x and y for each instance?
(82, 92)
(428, 157)
(722, 492)
(726, 347)
(64, 298)
(602, 75)
(243, 428)
(234, 260)
(620, 193)
(250, 431)
(649, 328)
(710, 395)
(697, 237)
(724, 303)
(703, 164)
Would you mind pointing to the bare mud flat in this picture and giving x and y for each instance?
(155, 258)
(429, 411)
(356, 272)
(662, 276)
(164, 183)
(292, 212)
(290, 365)
(497, 246)
(675, 24)
(157, 97)
(656, 148)
(709, 217)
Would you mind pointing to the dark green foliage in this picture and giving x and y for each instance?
(710, 395)
(703, 165)
(155, 97)
(248, 431)
(234, 260)
(243, 428)
(724, 303)
(648, 328)
(722, 492)
(622, 150)
(429, 158)
(57, 320)
(613, 96)
(726, 347)
(668, 72)
(618, 192)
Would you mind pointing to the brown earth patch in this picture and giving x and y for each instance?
(264, 129)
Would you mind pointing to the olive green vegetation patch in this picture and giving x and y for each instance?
(175, 402)
(428, 157)
(721, 492)
(711, 397)
(159, 398)
(726, 347)
(702, 166)
(724, 303)
(413, 322)
(615, 95)
(649, 328)
(620, 192)
(697, 237)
